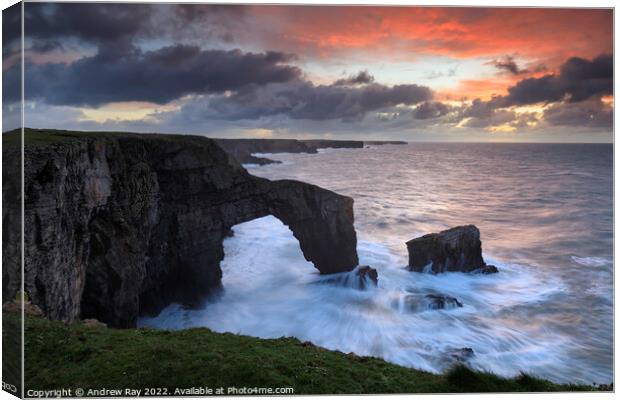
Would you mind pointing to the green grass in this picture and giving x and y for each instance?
(41, 137)
(46, 137)
(69, 356)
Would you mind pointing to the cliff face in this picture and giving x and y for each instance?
(118, 225)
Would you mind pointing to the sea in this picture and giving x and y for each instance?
(545, 213)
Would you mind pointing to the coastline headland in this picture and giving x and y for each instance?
(243, 150)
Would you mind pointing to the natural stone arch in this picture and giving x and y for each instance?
(124, 224)
(321, 220)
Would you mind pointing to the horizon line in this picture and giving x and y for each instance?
(293, 138)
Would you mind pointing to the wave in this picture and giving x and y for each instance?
(272, 291)
(592, 261)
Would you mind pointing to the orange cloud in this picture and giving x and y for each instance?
(549, 34)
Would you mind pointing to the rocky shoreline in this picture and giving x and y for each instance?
(243, 150)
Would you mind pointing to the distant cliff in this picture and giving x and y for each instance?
(243, 149)
(121, 224)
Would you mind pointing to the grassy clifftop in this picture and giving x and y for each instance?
(78, 355)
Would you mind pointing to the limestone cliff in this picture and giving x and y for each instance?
(118, 225)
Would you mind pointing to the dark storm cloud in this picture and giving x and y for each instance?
(11, 27)
(497, 117)
(482, 114)
(193, 12)
(363, 77)
(128, 74)
(91, 22)
(579, 83)
(48, 25)
(577, 80)
(431, 109)
(591, 113)
(479, 109)
(304, 100)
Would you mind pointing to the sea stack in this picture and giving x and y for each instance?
(454, 250)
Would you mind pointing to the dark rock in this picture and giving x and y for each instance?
(120, 225)
(419, 303)
(250, 159)
(242, 149)
(487, 269)
(316, 144)
(360, 278)
(462, 354)
(368, 276)
(383, 142)
(457, 249)
(440, 302)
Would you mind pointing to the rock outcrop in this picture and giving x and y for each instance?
(367, 277)
(420, 303)
(456, 249)
(119, 225)
(361, 278)
(441, 302)
(243, 149)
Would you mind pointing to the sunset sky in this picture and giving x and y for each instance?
(431, 74)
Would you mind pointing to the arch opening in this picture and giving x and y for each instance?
(263, 252)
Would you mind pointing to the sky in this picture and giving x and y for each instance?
(340, 72)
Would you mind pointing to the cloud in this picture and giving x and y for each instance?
(573, 96)
(11, 30)
(47, 25)
(53, 27)
(89, 55)
(304, 100)
(507, 64)
(591, 113)
(129, 74)
(479, 109)
(87, 21)
(363, 77)
(577, 80)
(535, 33)
(430, 109)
